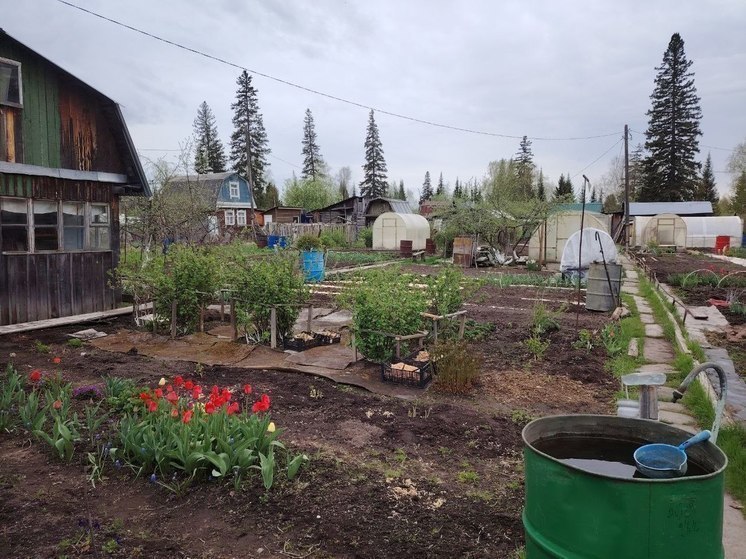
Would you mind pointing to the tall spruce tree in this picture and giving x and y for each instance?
(524, 169)
(313, 163)
(440, 190)
(671, 172)
(636, 172)
(541, 192)
(738, 198)
(209, 156)
(427, 189)
(706, 189)
(374, 168)
(246, 112)
(401, 194)
(457, 191)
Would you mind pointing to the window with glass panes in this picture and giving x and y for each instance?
(99, 227)
(14, 224)
(46, 230)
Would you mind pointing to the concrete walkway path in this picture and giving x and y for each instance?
(659, 354)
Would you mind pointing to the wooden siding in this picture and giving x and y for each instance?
(51, 285)
(50, 188)
(62, 125)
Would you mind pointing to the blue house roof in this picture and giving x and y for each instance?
(220, 185)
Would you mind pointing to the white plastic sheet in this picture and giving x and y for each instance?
(591, 250)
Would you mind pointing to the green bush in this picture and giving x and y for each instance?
(445, 291)
(260, 284)
(308, 242)
(385, 303)
(334, 239)
(366, 237)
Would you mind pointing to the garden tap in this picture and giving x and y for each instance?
(679, 392)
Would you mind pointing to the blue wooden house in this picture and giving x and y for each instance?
(233, 202)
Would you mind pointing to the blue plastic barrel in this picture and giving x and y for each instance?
(313, 265)
(282, 242)
(272, 240)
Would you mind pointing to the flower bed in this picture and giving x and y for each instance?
(414, 370)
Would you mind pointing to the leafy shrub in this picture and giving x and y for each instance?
(308, 242)
(259, 285)
(75, 343)
(536, 346)
(365, 236)
(384, 302)
(611, 337)
(544, 320)
(585, 340)
(12, 396)
(475, 331)
(335, 238)
(456, 367)
(445, 291)
(533, 266)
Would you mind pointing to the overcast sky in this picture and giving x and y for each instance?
(546, 69)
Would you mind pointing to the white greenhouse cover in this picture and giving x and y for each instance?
(591, 250)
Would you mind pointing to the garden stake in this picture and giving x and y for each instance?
(580, 250)
(234, 325)
(310, 317)
(173, 319)
(273, 327)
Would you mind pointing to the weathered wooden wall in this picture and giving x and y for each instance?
(63, 123)
(50, 285)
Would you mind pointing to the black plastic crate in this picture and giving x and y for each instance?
(300, 344)
(329, 337)
(419, 377)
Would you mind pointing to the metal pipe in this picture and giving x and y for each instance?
(580, 248)
(679, 392)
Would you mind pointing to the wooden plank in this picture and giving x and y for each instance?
(77, 279)
(64, 278)
(65, 320)
(53, 281)
(4, 302)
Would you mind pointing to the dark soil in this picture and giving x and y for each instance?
(439, 477)
(486, 272)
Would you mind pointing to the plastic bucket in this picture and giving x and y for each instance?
(313, 265)
(722, 243)
(598, 297)
(574, 513)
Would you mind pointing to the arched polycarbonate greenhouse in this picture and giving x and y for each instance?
(391, 228)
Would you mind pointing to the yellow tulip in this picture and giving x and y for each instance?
(271, 427)
(162, 382)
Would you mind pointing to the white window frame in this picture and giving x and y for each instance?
(240, 217)
(230, 217)
(89, 226)
(234, 189)
(20, 84)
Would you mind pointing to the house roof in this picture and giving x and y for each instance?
(397, 206)
(338, 205)
(137, 182)
(211, 180)
(283, 208)
(678, 208)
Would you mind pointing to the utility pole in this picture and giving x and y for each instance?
(626, 187)
(248, 161)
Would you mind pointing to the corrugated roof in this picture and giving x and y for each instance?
(397, 206)
(595, 207)
(678, 208)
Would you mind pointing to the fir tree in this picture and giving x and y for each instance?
(441, 188)
(524, 169)
(427, 189)
(401, 194)
(476, 193)
(458, 192)
(636, 171)
(246, 112)
(707, 190)
(344, 179)
(540, 190)
(272, 196)
(313, 163)
(209, 156)
(564, 189)
(594, 198)
(374, 169)
(671, 172)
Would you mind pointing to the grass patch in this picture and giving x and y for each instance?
(630, 327)
(339, 258)
(534, 280)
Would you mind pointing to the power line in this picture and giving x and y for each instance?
(321, 93)
(702, 145)
(597, 158)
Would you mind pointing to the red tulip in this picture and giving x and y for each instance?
(226, 395)
(152, 406)
(247, 389)
(144, 396)
(261, 405)
(232, 408)
(35, 376)
(187, 417)
(179, 380)
(189, 385)
(172, 397)
(174, 412)
(196, 392)
(158, 393)
(57, 404)
(209, 408)
(56, 360)
(169, 388)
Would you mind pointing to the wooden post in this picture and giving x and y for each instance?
(222, 305)
(310, 317)
(234, 323)
(648, 402)
(173, 319)
(155, 326)
(273, 327)
(462, 327)
(354, 346)
(398, 347)
(435, 330)
(202, 318)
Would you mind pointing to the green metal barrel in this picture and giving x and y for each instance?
(571, 513)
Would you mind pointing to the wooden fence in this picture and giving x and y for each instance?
(293, 230)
